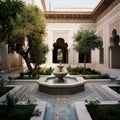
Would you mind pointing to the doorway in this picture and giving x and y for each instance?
(60, 51)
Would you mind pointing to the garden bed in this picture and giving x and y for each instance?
(88, 74)
(35, 75)
(26, 77)
(79, 71)
(17, 112)
(105, 76)
(4, 90)
(116, 89)
(105, 112)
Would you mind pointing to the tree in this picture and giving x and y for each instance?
(27, 37)
(8, 12)
(85, 41)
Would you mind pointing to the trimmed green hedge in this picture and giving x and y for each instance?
(102, 76)
(36, 74)
(79, 70)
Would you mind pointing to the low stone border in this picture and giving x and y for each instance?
(97, 80)
(106, 88)
(81, 111)
(61, 89)
(26, 80)
(13, 91)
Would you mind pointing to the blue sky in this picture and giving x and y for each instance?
(72, 3)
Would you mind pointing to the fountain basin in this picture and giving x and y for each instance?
(61, 88)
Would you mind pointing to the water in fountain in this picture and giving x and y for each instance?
(60, 84)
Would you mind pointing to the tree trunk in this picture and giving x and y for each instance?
(27, 61)
(84, 63)
(26, 58)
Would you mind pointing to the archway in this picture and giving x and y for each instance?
(60, 52)
(114, 50)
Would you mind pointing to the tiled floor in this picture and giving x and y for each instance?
(56, 104)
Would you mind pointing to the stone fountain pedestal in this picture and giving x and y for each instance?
(60, 74)
(60, 84)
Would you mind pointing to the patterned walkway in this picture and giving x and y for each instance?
(60, 107)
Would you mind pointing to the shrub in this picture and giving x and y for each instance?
(10, 100)
(18, 112)
(21, 74)
(106, 76)
(117, 110)
(3, 113)
(45, 71)
(92, 107)
(37, 112)
(2, 80)
(21, 114)
(30, 101)
(79, 70)
(36, 73)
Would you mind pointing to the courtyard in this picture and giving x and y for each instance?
(51, 34)
(62, 107)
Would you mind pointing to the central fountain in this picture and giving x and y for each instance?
(60, 74)
(59, 83)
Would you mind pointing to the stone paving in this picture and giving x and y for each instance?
(92, 91)
(65, 103)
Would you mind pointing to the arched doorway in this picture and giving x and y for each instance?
(60, 52)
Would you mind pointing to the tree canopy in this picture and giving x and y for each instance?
(27, 36)
(85, 41)
(8, 12)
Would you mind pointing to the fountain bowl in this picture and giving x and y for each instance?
(61, 88)
(60, 67)
(60, 76)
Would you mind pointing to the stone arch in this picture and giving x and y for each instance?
(60, 46)
(114, 50)
(114, 39)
